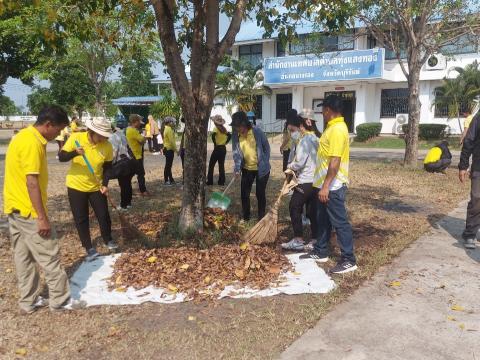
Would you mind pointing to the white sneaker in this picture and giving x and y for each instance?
(293, 245)
(112, 245)
(70, 304)
(469, 243)
(309, 247)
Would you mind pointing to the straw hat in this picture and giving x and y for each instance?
(100, 126)
(307, 114)
(218, 120)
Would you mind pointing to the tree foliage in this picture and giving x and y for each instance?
(136, 77)
(39, 98)
(7, 106)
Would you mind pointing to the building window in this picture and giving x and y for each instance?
(280, 49)
(251, 54)
(442, 111)
(372, 42)
(258, 107)
(465, 44)
(393, 102)
(284, 103)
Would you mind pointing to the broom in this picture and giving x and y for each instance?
(128, 230)
(266, 230)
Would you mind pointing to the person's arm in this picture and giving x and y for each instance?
(237, 154)
(33, 188)
(285, 140)
(214, 135)
(265, 145)
(300, 157)
(467, 149)
(333, 167)
(70, 150)
(107, 173)
(229, 137)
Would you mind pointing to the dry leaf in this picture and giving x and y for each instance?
(184, 266)
(172, 288)
(248, 261)
(192, 318)
(121, 289)
(451, 318)
(118, 280)
(274, 269)
(207, 280)
(395, 284)
(296, 273)
(461, 326)
(457, 308)
(21, 351)
(244, 246)
(240, 273)
(8, 270)
(152, 259)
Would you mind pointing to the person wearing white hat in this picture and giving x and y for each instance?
(220, 138)
(310, 121)
(85, 188)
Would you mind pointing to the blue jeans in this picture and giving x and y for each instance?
(334, 214)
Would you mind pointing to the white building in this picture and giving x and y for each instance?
(367, 77)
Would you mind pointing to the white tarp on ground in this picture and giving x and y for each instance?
(90, 284)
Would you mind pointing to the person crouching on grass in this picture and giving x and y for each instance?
(438, 158)
(330, 181)
(33, 237)
(220, 138)
(136, 141)
(251, 155)
(85, 188)
(169, 149)
(304, 151)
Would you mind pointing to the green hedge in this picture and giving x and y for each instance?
(429, 131)
(368, 131)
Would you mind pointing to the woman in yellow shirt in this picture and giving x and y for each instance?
(90, 152)
(136, 141)
(169, 149)
(220, 138)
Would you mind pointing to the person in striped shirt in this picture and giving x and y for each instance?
(331, 181)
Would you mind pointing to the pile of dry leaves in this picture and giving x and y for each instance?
(196, 272)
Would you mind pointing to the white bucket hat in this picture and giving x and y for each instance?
(100, 126)
(307, 114)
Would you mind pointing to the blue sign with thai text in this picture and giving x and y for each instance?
(331, 66)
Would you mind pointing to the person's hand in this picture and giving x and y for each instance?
(80, 151)
(44, 228)
(237, 174)
(463, 175)
(104, 190)
(323, 194)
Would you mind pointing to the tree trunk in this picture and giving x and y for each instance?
(191, 216)
(414, 106)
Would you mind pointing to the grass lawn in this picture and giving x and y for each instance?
(390, 206)
(393, 142)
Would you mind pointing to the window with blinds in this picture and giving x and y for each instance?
(393, 102)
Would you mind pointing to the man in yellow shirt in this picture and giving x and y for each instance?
(220, 138)
(331, 180)
(25, 202)
(466, 124)
(169, 149)
(438, 158)
(251, 155)
(135, 142)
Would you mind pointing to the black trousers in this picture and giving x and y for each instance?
(140, 172)
(248, 177)
(472, 224)
(126, 191)
(438, 166)
(167, 171)
(149, 142)
(286, 155)
(218, 155)
(303, 194)
(156, 148)
(79, 201)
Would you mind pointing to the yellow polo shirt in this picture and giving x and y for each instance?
(26, 155)
(220, 138)
(61, 137)
(148, 133)
(135, 141)
(334, 142)
(78, 176)
(433, 155)
(169, 142)
(73, 126)
(248, 145)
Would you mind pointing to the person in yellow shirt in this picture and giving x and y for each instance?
(154, 131)
(136, 141)
(331, 179)
(468, 120)
(438, 158)
(89, 152)
(33, 237)
(251, 156)
(169, 149)
(286, 146)
(74, 125)
(220, 138)
(148, 136)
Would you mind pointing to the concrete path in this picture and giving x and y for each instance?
(415, 319)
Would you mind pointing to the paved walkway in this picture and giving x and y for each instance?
(415, 319)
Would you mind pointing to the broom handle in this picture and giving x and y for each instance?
(90, 168)
(228, 186)
(277, 203)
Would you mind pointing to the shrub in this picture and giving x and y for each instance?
(429, 131)
(368, 131)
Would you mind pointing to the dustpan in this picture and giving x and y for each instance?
(219, 200)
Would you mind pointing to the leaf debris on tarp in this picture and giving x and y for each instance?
(208, 271)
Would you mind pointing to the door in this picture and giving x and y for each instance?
(349, 103)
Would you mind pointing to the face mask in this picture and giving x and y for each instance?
(295, 135)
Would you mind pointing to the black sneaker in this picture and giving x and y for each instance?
(343, 267)
(315, 256)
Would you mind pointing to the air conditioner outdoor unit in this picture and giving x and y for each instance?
(400, 120)
(436, 62)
